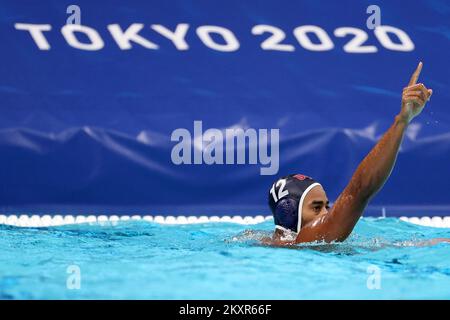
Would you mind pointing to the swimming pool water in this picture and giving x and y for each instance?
(143, 260)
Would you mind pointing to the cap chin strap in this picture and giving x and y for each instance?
(300, 204)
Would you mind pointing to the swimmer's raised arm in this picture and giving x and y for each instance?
(371, 173)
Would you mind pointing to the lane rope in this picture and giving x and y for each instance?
(59, 220)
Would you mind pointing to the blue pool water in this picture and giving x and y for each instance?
(142, 260)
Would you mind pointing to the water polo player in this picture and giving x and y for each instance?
(300, 205)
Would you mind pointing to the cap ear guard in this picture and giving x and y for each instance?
(286, 214)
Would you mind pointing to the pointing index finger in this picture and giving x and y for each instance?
(415, 75)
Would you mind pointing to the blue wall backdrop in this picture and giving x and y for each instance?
(86, 123)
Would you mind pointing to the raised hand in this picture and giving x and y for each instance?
(414, 97)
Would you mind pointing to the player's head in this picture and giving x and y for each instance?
(296, 200)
